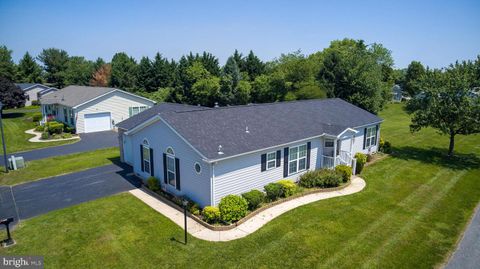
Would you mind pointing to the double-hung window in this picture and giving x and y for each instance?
(271, 160)
(297, 159)
(146, 158)
(370, 136)
(171, 174)
(134, 110)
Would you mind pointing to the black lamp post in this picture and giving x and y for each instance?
(185, 203)
(3, 139)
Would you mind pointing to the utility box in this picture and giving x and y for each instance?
(15, 163)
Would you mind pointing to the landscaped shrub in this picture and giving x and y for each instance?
(288, 187)
(232, 208)
(323, 178)
(193, 208)
(68, 129)
(36, 117)
(211, 214)
(254, 198)
(361, 160)
(273, 191)
(45, 135)
(55, 127)
(35, 103)
(345, 171)
(387, 147)
(152, 184)
(39, 128)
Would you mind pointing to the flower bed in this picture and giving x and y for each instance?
(234, 210)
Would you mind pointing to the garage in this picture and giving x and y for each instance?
(97, 122)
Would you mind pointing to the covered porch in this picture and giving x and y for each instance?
(339, 150)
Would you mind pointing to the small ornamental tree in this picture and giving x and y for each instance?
(447, 103)
(10, 95)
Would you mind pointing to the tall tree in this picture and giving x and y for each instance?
(28, 70)
(101, 77)
(163, 72)
(232, 69)
(11, 96)
(124, 71)
(210, 62)
(352, 72)
(7, 66)
(99, 62)
(54, 63)
(79, 71)
(413, 78)
(253, 66)
(446, 103)
(146, 75)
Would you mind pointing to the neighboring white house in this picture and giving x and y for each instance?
(92, 109)
(34, 91)
(208, 153)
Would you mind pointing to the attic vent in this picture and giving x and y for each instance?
(220, 152)
(216, 104)
(246, 130)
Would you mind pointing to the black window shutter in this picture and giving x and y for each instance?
(141, 158)
(376, 135)
(285, 162)
(364, 137)
(151, 163)
(279, 157)
(264, 162)
(177, 173)
(165, 168)
(309, 146)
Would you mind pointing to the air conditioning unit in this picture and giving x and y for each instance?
(15, 163)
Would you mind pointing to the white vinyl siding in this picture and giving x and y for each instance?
(117, 103)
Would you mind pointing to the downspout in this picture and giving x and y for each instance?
(212, 180)
(335, 152)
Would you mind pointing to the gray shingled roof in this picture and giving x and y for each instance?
(269, 125)
(155, 110)
(26, 86)
(74, 95)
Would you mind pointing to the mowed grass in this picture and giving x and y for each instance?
(59, 165)
(415, 206)
(15, 123)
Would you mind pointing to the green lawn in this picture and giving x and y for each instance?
(58, 165)
(15, 123)
(410, 215)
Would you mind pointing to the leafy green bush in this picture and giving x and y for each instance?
(387, 147)
(55, 127)
(323, 178)
(39, 128)
(193, 208)
(45, 135)
(254, 198)
(211, 214)
(345, 171)
(361, 160)
(232, 208)
(273, 191)
(37, 116)
(288, 187)
(68, 129)
(152, 184)
(35, 103)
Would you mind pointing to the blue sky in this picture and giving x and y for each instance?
(434, 32)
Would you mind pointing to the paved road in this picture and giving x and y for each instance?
(35, 198)
(467, 255)
(90, 141)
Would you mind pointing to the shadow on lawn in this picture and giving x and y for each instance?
(12, 115)
(437, 156)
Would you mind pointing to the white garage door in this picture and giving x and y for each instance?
(97, 122)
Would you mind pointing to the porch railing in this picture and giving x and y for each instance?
(343, 158)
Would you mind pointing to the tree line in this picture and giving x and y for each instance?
(349, 69)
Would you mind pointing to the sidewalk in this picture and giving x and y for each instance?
(256, 222)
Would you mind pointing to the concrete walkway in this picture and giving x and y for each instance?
(38, 135)
(250, 226)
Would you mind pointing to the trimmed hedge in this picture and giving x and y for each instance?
(36, 117)
(232, 208)
(39, 128)
(345, 171)
(323, 178)
(55, 127)
(45, 135)
(288, 187)
(254, 199)
(273, 191)
(152, 184)
(211, 214)
(361, 160)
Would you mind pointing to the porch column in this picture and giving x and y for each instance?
(335, 152)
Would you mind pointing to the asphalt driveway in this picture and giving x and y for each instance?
(35, 198)
(467, 254)
(88, 142)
